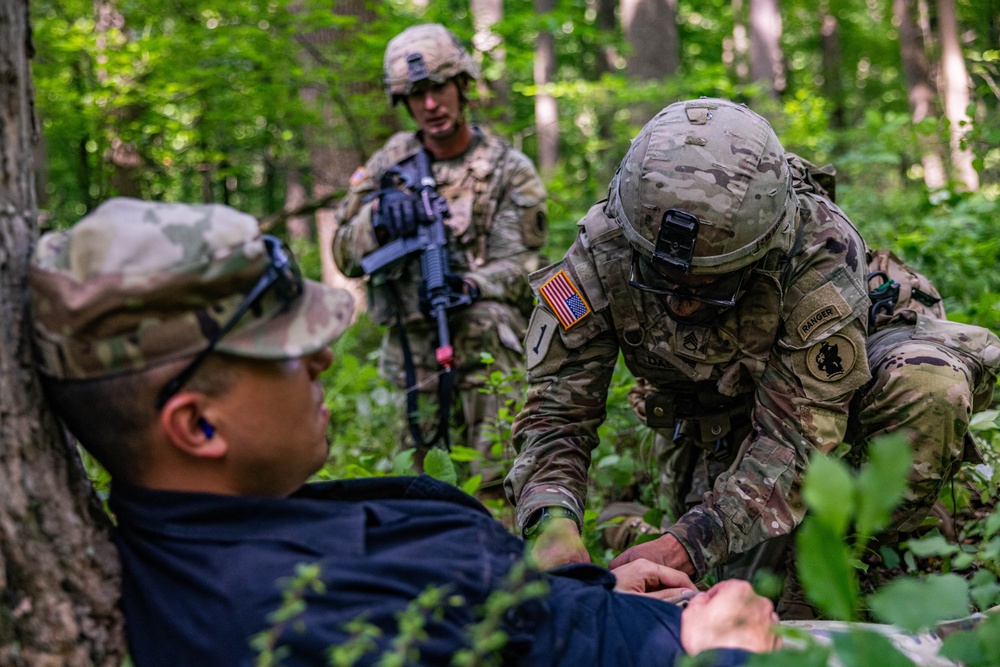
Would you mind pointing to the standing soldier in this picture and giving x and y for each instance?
(737, 291)
(496, 225)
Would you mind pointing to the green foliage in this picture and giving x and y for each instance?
(838, 500)
(903, 602)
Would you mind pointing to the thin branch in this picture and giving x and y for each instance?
(306, 208)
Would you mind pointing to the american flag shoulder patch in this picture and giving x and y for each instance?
(359, 175)
(564, 299)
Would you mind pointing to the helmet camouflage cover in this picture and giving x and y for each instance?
(428, 52)
(705, 188)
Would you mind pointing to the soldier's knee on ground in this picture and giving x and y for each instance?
(924, 391)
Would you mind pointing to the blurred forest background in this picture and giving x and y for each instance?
(270, 105)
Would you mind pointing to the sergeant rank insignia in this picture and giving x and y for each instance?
(564, 299)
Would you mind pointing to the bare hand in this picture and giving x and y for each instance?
(729, 615)
(666, 550)
(559, 543)
(643, 577)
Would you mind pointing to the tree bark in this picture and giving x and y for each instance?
(332, 162)
(650, 27)
(766, 60)
(736, 49)
(546, 110)
(489, 50)
(58, 572)
(920, 91)
(955, 84)
(833, 90)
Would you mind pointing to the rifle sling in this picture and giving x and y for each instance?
(445, 384)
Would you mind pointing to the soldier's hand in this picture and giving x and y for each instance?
(559, 543)
(643, 577)
(729, 615)
(664, 550)
(396, 214)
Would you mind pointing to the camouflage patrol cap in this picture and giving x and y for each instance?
(719, 162)
(442, 57)
(135, 284)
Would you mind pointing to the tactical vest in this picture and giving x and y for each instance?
(703, 375)
(473, 184)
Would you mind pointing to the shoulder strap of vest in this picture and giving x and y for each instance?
(614, 268)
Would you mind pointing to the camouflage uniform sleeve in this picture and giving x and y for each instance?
(518, 230)
(568, 374)
(355, 236)
(802, 400)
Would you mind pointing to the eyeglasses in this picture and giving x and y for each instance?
(722, 292)
(282, 274)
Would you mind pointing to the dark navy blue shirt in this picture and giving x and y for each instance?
(202, 573)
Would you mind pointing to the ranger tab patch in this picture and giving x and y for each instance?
(564, 299)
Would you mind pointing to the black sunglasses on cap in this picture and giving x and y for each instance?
(282, 274)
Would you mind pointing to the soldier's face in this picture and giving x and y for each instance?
(274, 418)
(437, 109)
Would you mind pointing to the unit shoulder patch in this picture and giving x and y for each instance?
(359, 175)
(831, 359)
(564, 299)
(541, 330)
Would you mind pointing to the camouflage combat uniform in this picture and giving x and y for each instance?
(742, 401)
(497, 226)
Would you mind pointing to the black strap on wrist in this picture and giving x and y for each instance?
(540, 517)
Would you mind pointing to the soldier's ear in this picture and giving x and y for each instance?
(185, 422)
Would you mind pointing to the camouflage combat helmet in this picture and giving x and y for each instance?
(428, 52)
(704, 189)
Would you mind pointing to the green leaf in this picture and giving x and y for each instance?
(464, 454)
(881, 482)
(979, 648)
(472, 484)
(402, 463)
(824, 570)
(439, 465)
(934, 545)
(914, 604)
(828, 490)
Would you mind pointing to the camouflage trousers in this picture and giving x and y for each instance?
(927, 378)
(483, 412)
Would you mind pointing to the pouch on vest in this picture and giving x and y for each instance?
(894, 287)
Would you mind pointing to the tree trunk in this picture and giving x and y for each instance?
(920, 91)
(736, 49)
(58, 573)
(126, 161)
(833, 90)
(546, 111)
(489, 50)
(650, 27)
(766, 61)
(333, 161)
(955, 84)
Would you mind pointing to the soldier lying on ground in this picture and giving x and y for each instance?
(738, 292)
(184, 350)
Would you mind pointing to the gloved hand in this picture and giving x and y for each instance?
(398, 214)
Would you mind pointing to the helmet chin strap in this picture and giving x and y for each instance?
(702, 314)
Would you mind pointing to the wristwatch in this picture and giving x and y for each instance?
(542, 516)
